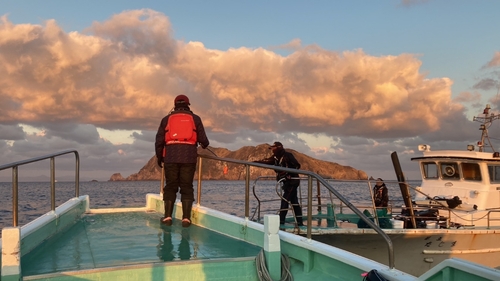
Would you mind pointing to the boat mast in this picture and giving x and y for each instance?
(486, 121)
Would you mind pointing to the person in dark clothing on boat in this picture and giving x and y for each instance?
(290, 181)
(380, 194)
(176, 143)
(381, 200)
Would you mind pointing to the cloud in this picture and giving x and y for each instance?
(127, 72)
(486, 84)
(495, 61)
(100, 158)
(11, 132)
(123, 74)
(294, 45)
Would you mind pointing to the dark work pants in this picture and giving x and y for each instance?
(179, 175)
(290, 195)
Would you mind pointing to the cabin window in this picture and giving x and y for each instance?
(430, 170)
(471, 171)
(494, 172)
(449, 171)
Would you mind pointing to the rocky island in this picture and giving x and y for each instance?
(214, 170)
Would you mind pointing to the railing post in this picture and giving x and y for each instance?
(15, 178)
(375, 213)
(52, 184)
(309, 206)
(247, 191)
(77, 174)
(318, 195)
(198, 196)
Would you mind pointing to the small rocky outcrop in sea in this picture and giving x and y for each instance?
(214, 170)
(116, 177)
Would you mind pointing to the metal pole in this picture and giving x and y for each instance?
(309, 206)
(247, 191)
(373, 203)
(77, 174)
(199, 180)
(14, 196)
(52, 184)
(319, 197)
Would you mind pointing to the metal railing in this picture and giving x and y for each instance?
(256, 216)
(310, 175)
(15, 179)
(489, 219)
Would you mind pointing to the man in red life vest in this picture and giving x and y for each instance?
(176, 150)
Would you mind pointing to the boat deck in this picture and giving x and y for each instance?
(120, 239)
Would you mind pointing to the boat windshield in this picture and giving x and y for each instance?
(471, 171)
(455, 171)
(494, 171)
(430, 170)
(449, 171)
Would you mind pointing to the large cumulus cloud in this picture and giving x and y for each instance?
(123, 74)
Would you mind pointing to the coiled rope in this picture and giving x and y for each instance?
(263, 273)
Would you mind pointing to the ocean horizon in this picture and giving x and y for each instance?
(222, 195)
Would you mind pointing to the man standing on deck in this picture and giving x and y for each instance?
(290, 181)
(176, 150)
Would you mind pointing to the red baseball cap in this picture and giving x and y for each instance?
(182, 99)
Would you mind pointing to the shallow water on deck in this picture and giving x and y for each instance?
(105, 240)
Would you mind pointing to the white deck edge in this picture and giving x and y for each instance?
(52, 215)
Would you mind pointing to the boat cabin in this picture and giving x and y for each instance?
(467, 183)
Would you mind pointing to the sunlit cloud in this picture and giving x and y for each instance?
(121, 75)
(495, 61)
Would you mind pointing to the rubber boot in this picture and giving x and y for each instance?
(186, 212)
(169, 207)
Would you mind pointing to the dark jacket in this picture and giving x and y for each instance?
(381, 196)
(180, 153)
(282, 158)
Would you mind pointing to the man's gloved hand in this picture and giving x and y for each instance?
(160, 162)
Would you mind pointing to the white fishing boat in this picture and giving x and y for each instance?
(454, 213)
(75, 242)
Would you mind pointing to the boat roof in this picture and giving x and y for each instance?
(458, 155)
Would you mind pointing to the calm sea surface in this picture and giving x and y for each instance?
(226, 196)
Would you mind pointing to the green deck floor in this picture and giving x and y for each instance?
(115, 239)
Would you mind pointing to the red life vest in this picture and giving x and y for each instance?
(180, 129)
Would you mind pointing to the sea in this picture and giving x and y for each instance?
(34, 198)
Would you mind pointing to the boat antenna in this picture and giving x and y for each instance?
(486, 121)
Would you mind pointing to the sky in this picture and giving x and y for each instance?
(343, 81)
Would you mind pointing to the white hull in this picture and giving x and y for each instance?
(416, 251)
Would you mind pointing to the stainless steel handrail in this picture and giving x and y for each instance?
(488, 217)
(310, 176)
(15, 179)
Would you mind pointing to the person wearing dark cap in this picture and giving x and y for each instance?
(290, 181)
(176, 144)
(380, 194)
